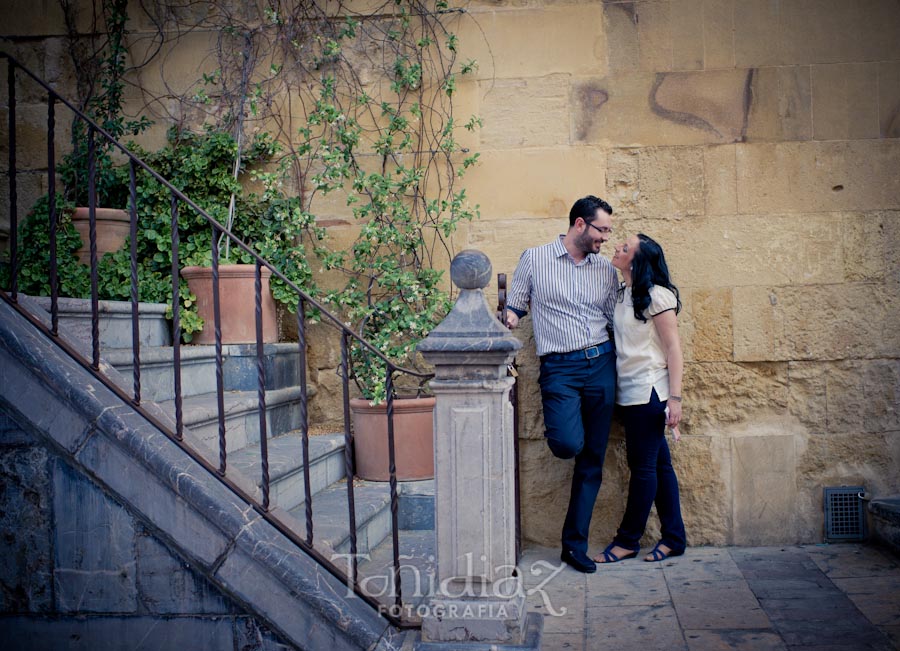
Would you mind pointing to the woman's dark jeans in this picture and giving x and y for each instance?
(652, 478)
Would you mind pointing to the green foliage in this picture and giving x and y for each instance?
(34, 252)
(113, 270)
(406, 206)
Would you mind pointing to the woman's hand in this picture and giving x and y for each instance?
(674, 418)
(667, 326)
(674, 413)
(673, 423)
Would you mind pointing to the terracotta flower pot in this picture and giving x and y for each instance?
(112, 229)
(413, 438)
(237, 302)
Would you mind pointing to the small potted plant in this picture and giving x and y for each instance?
(272, 224)
(395, 292)
(236, 268)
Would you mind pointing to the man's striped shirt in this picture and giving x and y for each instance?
(571, 303)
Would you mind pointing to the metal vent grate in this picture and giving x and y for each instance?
(845, 516)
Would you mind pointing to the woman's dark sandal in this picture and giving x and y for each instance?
(609, 557)
(657, 555)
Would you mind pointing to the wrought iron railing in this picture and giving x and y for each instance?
(348, 338)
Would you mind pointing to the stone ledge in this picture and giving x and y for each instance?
(886, 508)
(115, 321)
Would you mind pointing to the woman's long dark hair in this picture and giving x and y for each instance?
(648, 268)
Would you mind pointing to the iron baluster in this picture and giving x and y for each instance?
(501, 298)
(304, 419)
(92, 237)
(176, 322)
(13, 191)
(392, 470)
(135, 297)
(272, 518)
(220, 378)
(261, 388)
(51, 198)
(348, 458)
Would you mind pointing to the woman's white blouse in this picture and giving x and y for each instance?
(640, 356)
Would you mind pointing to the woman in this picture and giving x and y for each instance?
(650, 367)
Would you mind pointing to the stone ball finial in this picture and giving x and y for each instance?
(470, 269)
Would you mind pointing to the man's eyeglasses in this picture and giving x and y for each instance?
(603, 230)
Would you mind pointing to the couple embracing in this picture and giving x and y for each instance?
(576, 303)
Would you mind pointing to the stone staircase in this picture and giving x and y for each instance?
(327, 477)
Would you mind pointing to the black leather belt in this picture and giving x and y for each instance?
(591, 352)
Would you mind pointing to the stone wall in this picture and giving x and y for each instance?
(79, 571)
(758, 142)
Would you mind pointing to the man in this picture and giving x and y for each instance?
(572, 293)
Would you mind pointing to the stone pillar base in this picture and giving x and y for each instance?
(497, 619)
(475, 608)
(530, 640)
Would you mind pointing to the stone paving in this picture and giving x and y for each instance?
(794, 598)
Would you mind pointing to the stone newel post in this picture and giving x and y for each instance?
(477, 600)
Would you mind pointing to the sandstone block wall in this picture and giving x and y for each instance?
(758, 141)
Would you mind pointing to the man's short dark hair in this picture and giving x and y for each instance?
(586, 208)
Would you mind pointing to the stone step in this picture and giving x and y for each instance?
(241, 416)
(417, 552)
(417, 569)
(198, 374)
(198, 368)
(286, 484)
(114, 321)
(416, 509)
(331, 529)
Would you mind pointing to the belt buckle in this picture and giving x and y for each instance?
(593, 349)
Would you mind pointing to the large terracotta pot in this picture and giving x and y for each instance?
(237, 303)
(413, 438)
(112, 229)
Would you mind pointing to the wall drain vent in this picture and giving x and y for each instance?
(845, 515)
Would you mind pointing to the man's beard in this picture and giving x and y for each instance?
(586, 243)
